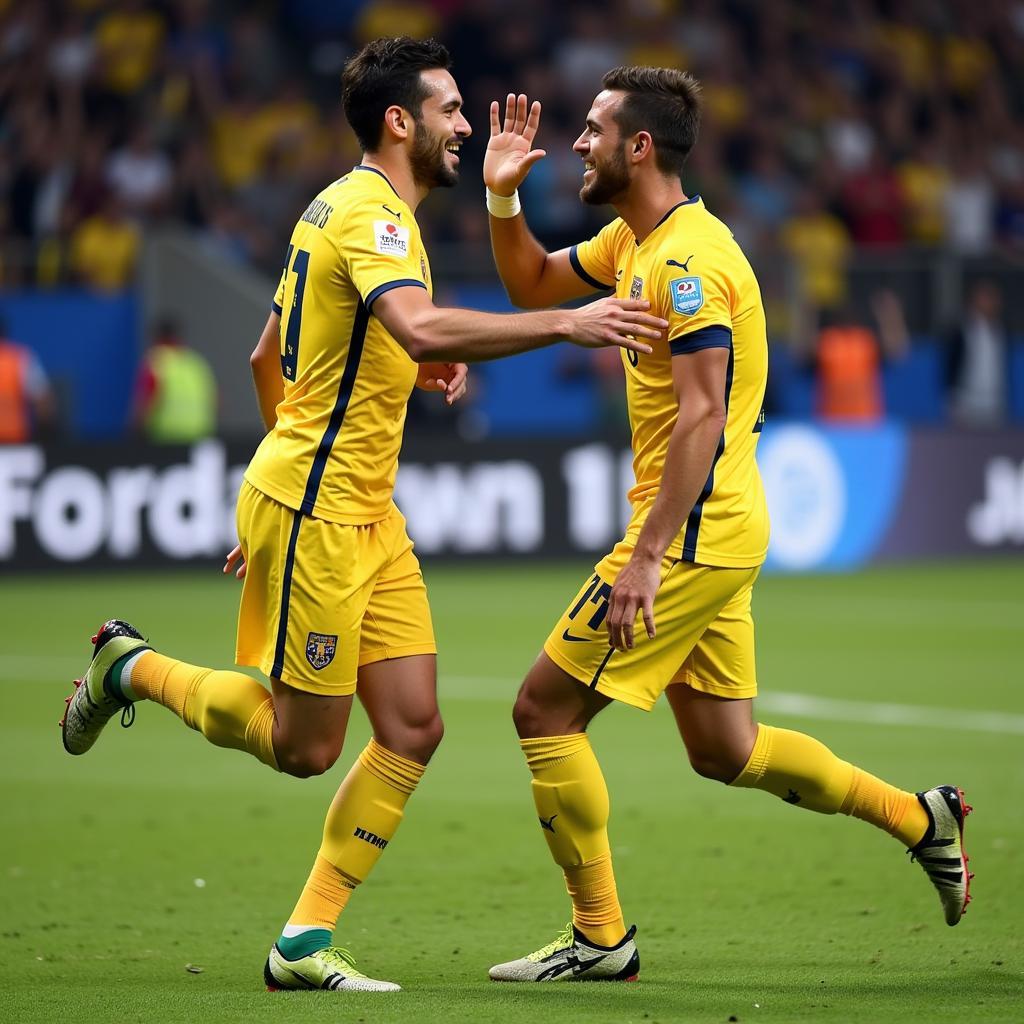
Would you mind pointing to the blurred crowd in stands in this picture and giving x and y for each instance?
(831, 128)
(866, 123)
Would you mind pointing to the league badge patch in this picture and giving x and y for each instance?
(320, 649)
(687, 294)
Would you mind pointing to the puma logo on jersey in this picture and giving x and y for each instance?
(685, 266)
(547, 824)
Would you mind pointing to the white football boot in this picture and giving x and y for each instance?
(572, 957)
(941, 851)
(331, 968)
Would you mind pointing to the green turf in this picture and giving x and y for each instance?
(156, 852)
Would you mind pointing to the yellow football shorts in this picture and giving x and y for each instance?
(704, 633)
(321, 599)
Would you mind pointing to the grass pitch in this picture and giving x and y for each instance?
(145, 881)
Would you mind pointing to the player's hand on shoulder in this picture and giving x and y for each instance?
(510, 153)
(615, 321)
(447, 377)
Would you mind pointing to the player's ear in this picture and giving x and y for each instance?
(396, 121)
(642, 144)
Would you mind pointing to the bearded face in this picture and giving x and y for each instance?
(606, 179)
(434, 158)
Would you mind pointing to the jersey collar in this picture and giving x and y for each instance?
(693, 200)
(373, 170)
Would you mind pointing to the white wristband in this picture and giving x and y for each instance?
(503, 206)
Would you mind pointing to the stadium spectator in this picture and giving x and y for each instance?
(105, 248)
(27, 406)
(977, 365)
(176, 399)
(849, 355)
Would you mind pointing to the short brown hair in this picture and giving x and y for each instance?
(386, 72)
(664, 102)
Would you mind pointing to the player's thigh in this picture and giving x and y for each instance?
(305, 591)
(396, 621)
(688, 599)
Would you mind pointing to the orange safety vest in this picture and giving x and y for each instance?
(15, 426)
(849, 382)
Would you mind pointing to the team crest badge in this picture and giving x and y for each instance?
(636, 289)
(687, 294)
(320, 649)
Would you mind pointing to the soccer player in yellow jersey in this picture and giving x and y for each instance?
(699, 529)
(333, 602)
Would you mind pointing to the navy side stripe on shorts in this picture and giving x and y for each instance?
(286, 592)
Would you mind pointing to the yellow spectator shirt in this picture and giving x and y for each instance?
(695, 276)
(333, 452)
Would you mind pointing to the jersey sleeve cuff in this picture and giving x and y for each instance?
(574, 259)
(715, 336)
(406, 282)
(276, 307)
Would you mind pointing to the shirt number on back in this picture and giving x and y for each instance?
(290, 351)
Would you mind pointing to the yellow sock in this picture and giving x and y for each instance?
(804, 772)
(361, 821)
(229, 708)
(571, 797)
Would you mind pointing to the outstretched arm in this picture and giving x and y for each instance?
(532, 277)
(430, 334)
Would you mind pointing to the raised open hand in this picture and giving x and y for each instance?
(509, 155)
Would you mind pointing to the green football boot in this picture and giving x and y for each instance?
(94, 701)
(330, 968)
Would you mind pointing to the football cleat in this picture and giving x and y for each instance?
(330, 968)
(94, 703)
(941, 851)
(572, 957)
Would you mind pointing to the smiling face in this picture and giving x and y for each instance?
(606, 173)
(439, 131)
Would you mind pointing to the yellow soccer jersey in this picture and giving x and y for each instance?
(333, 452)
(696, 277)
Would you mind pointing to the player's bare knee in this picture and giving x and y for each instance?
(716, 765)
(307, 761)
(415, 740)
(531, 717)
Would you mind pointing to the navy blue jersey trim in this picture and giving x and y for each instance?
(348, 381)
(713, 336)
(286, 593)
(276, 308)
(668, 213)
(373, 170)
(578, 267)
(693, 522)
(406, 282)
